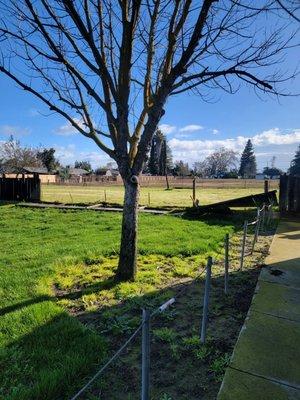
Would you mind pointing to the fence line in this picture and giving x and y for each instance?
(147, 315)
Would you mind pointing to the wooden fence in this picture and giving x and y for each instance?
(20, 189)
(289, 195)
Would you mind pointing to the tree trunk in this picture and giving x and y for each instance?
(167, 181)
(128, 250)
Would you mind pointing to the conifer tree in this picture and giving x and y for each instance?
(295, 164)
(248, 161)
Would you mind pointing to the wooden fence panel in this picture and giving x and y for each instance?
(20, 189)
(289, 197)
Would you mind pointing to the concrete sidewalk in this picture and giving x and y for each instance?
(266, 360)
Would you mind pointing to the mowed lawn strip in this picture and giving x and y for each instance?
(45, 352)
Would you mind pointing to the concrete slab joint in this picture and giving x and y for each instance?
(265, 364)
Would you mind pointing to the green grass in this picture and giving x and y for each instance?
(159, 197)
(46, 254)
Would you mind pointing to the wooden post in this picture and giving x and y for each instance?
(148, 199)
(206, 300)
(194, 191)
(226, 263)
(105, 196)
(283, 193)
(266, 186)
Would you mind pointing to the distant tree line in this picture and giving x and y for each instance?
(14, 157)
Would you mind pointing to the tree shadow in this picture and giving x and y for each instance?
(60, 295)
(58, 356)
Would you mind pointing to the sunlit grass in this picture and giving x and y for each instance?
(45, 352)
(152, 196)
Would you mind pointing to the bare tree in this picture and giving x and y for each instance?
(109, 67)
(14, 157)
(217, 164)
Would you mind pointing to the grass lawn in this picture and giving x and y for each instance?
(159, 197)
(62, 314)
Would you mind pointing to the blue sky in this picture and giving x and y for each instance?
(194, 128)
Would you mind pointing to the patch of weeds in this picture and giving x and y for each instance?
(165, 396)
(218, 366)
(191, 342)
(175, 351)
(165, 334)
(200, 351)
(121, 324)
(126, 290)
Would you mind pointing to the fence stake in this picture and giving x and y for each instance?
(194, 191)
(146, 356)
(206, 300)
(256, 230)
(243, 245)
(148, 199)
(266, 186)
(264, 217)
(226, 263)
(105, 196)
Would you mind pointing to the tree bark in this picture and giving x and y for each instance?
(167, 181)
(128, 249)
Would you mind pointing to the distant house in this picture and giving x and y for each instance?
(107, 172)
(261, 176)
(44, 175)
(75, 172)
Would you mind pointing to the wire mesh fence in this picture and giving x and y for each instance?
(255, 228)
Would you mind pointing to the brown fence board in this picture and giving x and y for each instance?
(20, 189)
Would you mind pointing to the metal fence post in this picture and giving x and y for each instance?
(243, 245)
(255, 237)
(206, 300)
(148, 199)
(226, 262)
(263, 223)
(105, 196)
(146, 356)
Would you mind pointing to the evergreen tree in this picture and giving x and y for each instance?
(295, 164)
(47, 158)
(160, 160)
(153, 164)
(248, 162)
(165, 158)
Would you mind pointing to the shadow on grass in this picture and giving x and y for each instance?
(106, 284)
(56, 358)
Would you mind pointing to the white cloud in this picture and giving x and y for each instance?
(215, 131)
(191, 128)
(268, 143)
(68, 129)
(16, 131)
(167, 129)
(274, 136)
